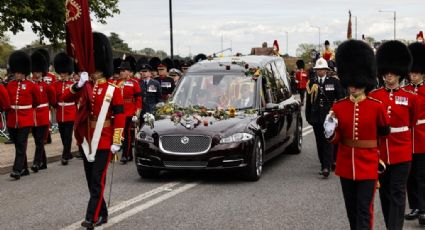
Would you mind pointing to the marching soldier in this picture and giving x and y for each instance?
(99, 126)
(322, 92)
(356, 122)
(65, 110)
(416, 180)
(394, 60)
(24, 96)
(301, 78)
(328, 53)
(132, 107)
(39, 67)
(4, 99)
(151, 90)
(166, 82)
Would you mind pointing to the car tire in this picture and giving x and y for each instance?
(254, 169)
(148, 173)
(296, 146)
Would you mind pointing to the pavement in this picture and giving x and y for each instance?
(53, 152)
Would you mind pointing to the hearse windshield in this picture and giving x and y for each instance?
(212, 91)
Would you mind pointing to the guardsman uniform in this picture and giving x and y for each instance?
(151, 91)
(393, 60)
(167, 83)
(328, 53)
(322, 92)
(41, 113)
(416, 181)
(301, 77)
(98, 126)
(24, 97)
(65, 110)
(4, 99)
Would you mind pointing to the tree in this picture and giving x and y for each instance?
(161, 54)
(148, 52)
(47, 17)
(5, 50)
(304, 51)
(118, 44)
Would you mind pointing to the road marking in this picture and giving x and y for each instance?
(305, 133)
(127, 203)
(147, 205)
(307, 127)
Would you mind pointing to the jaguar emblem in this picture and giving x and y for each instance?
(184, 140)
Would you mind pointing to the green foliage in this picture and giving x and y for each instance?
(304, 51)
(5, 50)
(118, 44)
(47, 17)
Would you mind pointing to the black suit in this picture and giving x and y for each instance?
(151, 95)
(320, 98)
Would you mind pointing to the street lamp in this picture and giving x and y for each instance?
(318, 27)
(171, 31)
(287, 42)
(355, 25)
(394, 12)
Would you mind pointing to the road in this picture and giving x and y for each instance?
(290, 195)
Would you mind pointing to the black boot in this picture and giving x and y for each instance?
(64, 161)
(15, 175)
(35, 168)
(412, 215)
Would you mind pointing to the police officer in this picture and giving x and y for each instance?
(39, 66)
(24, 96)
(355, 123)
(301, 79)
(394, 60)
(416, 180)
(167, 83)
(176, 75)
(65, 111)
(131, 93)
(322, 92)
(151, 90)
(105, 126)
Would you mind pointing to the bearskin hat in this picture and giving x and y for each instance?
(132, 61)
(45, 53)
(327, 43)
(177, 64)
(300, 64)
(125, 65)
(20, 62)
(356, 65)
(154, 62)
(168, 62)
(417, 50)
(199, 57)
(393, 57)
(63, 63)
(141, 61)
(39, 63)
(102, 54)
(117, 62)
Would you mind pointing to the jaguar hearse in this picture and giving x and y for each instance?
(233, 112)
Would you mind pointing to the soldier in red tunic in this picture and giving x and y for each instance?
(65, 111)
(39, 67)
(4, 99)
(394, 61)
(355, 123)
(24, 97)
(301, 78)
(99, 126)
(416, 181)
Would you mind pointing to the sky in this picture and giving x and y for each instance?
(208, 26)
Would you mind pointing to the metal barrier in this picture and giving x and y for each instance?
(3, 127)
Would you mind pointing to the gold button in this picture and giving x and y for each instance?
(357, 110)
(357, 118)
(356, 133)
(356, 138)
(357, 114)
(356, 124)
(356, 129)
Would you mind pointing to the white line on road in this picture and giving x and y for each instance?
(307, 127)
(127, 203)
(307, 132)
(147, 205)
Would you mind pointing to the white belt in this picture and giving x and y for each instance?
(66, 103)
(43, 105)
(21, 106)
(420, 122)
(399, 129)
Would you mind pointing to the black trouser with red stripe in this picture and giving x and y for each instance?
(39, 134)
(358, 197)
(65, 130)
(127, 148)
(416, 182)
(96, 177)
(20, 139)
(393, 194)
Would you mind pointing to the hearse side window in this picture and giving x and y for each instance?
(281, 69)
(279, 83)
(268, 86)
(276, 96)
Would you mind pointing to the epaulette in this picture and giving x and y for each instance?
(110, 83)
(408, 91)
(342, 99)
(374, 99)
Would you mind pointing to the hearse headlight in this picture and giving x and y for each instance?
(235, 138)
(142, 136)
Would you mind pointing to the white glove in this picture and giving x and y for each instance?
(330, 125)
(134, 119)
(115, 148)
(84, 77)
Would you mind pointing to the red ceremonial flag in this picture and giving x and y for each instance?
(79, 44)
(349, 30)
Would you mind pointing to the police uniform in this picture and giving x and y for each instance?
(302, 78)
(24, 96)
(395, 149)
(167, 84)
(65, 110)
(321, 94)
(416, 180)
(151, 92)
(41, 112)
(92, 97)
